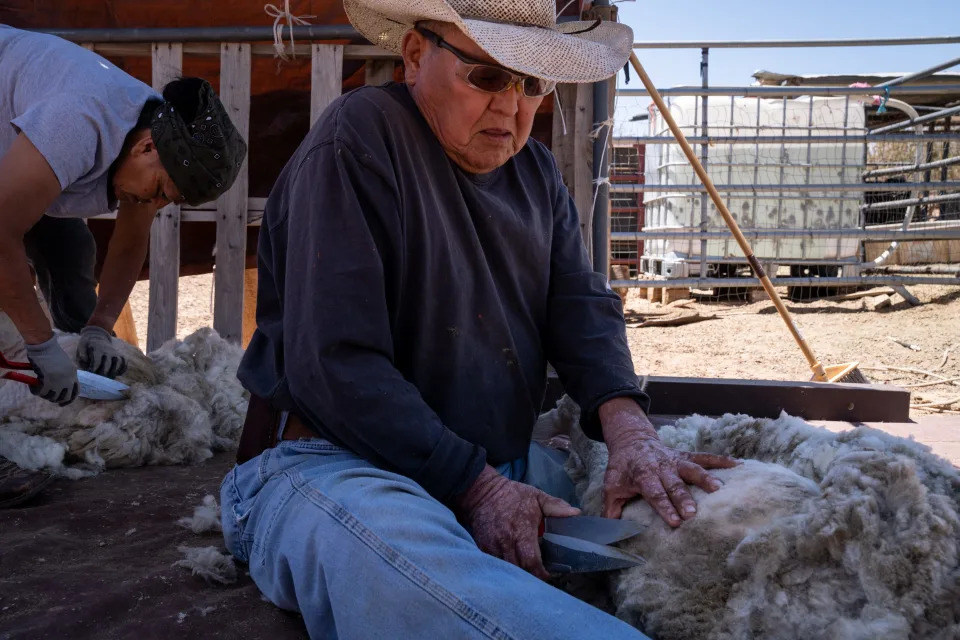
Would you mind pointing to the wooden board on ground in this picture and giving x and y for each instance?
(767, 398)
(677, 320)
(856, 295)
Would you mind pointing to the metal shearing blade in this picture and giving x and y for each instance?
(593, 528)
(94, 387)
(562, 554)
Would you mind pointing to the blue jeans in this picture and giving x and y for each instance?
(364, 553)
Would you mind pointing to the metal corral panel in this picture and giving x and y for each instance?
(765, 164)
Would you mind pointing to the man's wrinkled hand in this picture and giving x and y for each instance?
(504, 517)
(640, 464)
(98, 354)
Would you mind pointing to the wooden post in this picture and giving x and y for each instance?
(126, 327)
(165, 233)
(326, 73)
(379, 72)
(249, 306)
(232, 205)
(574, 151)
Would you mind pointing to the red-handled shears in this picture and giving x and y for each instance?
(90, 385)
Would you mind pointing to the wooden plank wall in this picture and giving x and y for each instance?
(165, 234)
(325, 77)
(235, 287)
(232, 205)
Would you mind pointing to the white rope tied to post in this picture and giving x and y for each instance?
(603, 180)
(274, 12)
(608, 123)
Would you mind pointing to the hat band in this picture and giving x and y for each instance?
(509, 22)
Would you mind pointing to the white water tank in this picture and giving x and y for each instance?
(749, 163)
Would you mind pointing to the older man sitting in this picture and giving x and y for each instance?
(420, 263)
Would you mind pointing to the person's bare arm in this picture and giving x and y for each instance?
(125, 257)
(27, 188)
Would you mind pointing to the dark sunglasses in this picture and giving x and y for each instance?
(489, 77)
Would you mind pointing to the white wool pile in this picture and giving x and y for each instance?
(185, 403)
(208, 563)
(206, 517)
(817, 535)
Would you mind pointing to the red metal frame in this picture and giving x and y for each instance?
(632, 178)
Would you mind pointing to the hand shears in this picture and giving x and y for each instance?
(90, 385)
(581, 544)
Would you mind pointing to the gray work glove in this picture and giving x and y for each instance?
(55, 371)
(96, 353)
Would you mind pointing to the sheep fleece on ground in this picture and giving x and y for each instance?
(185, 403)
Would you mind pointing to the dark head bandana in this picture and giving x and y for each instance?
(202, 156)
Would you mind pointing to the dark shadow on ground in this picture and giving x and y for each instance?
(94, 558)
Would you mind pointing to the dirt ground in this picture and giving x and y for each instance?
(749, 340)
(746, 340)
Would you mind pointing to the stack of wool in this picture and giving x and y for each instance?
(185, 403)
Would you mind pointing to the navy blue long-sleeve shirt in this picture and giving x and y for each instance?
(407, 309)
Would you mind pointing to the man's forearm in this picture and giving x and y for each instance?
(125, 257)
(116, 283)
(18, 299)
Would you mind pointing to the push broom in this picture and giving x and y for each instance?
(832, 373)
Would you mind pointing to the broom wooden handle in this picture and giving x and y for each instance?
(818, 372)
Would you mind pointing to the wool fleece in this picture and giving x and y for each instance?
(185, 403)
(817, 534)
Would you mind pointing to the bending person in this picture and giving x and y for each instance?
(82, 138)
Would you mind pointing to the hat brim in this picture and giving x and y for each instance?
(557, 55)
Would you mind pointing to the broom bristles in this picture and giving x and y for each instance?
(855, 376)
(847, 372)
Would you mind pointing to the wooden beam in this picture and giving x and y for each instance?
(326, 77)
(379, 72)
(574, 150)
(261, 50)
(232, 205)
(167, 62)
(206, 212)
(249, 306)
(767, 398)
(126, 327)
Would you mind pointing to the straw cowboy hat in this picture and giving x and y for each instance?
(522, 35)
